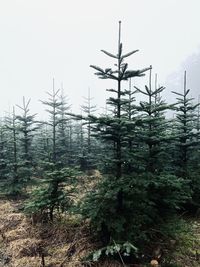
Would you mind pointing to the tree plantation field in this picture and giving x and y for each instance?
(68, 241)
(114, 188)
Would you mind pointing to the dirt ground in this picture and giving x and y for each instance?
(25, 245)
(65, 242)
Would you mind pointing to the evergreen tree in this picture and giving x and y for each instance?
(186, 155)
(51, 194)
(130, 115)
(53, 104)
(151, 133)
(113, 129)
(186, 137)
(42, 143)
(3, 153)
(126, 206)
(14, 185)
(27, 128)
(63, 129)
(87, 157)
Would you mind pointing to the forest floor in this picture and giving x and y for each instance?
(68, 240)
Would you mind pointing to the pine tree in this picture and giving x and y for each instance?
(42, 143)
(113, 129)
(186, 156)
(63, 129)
(130, 115)
(116, 128)
(151, 133)
(14, 185)
(163, 188)
(3, 153)
(87, 157)
(186, 138)
(53, 104)
(27, 127)
(51, 194)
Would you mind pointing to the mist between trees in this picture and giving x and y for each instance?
(149, 162)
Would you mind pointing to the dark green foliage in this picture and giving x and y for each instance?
(186, 145)
(4, 164)
(53, 104)
(139, 189)
(54, 192)
(42, 144)
(56, 183)
(151, 135)
(147, 200)
(186, 137)
(27, 127)
(14, 184)
(20, 131)
(63, 131)
(150, 164)
(87, 155)
(114, 128)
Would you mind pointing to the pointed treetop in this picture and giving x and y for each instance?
(150, 78)
(119, 34)
(53, 85)
(156, 81)
(185, 82)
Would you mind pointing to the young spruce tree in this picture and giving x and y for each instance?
(110, 206)
(51, 195)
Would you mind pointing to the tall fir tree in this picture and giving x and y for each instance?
(88, 155)
(51, 194)
(27, 128)
(151, 133)
(186, 156)
(63, 129)
(186, 137)
(14, 184)
(115, 125)
(113, 129)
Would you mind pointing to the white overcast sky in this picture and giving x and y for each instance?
(42, 39)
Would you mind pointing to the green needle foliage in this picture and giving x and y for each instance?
(187, 142)
(54, 193)
(27, 128)
(186, 137)
(113, 128)
(151, 133)
(57, 181)
(14, 185)
(129, 201)
(113, 195)
(149, 164)
(88, 143)
(3, 153)
(63, 139)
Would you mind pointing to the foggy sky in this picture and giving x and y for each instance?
(45, 39)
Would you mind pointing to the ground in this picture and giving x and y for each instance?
(63, 243)
(23, 244)
(66, 241)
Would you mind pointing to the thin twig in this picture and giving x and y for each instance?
(119, 254)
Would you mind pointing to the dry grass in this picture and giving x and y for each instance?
(187, 251)
(62, 243)
(65, 242)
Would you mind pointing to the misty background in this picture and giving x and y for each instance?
(45, 39)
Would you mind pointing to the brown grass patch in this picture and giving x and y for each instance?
(24, 248)
(27, 262)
